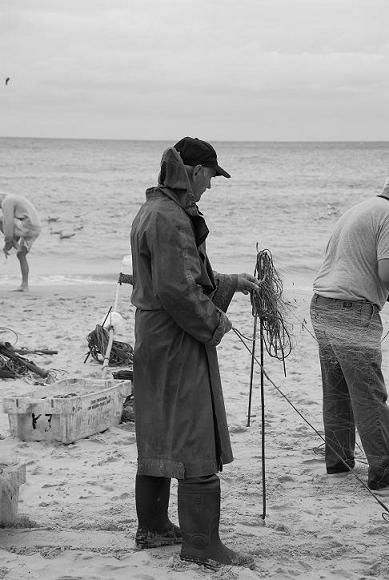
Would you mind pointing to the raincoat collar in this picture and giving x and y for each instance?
(174, 182)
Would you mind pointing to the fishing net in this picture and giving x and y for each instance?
(349, 337)
(347, 326)
(269, 307)
(12, 365)
(121, 352)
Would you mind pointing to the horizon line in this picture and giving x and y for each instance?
(159, 140)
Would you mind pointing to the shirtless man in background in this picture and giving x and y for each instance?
(20, 225)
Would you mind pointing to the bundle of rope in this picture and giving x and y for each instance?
(268, 306)
(121, 352)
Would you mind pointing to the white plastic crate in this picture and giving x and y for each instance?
(67, 410)
(12, 476)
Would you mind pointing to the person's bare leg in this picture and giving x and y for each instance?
(22, 257)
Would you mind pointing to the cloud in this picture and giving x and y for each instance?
(118, 56)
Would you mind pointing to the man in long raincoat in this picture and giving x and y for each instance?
(180, 301)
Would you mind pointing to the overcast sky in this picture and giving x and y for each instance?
(218, 69)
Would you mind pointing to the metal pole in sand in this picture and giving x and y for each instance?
(111, 332)
(252, 369)
(263, 421)
(125, 273)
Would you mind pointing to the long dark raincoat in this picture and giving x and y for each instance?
(181, 425)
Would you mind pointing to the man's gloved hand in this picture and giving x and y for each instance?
(247, 283)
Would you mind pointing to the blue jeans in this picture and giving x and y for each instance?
(354, 393)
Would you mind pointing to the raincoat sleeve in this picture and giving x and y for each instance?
(176, 278)
(226, 285)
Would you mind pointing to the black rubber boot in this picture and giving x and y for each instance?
(199, 516)
(152, 502)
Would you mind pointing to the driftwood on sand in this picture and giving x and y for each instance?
(13, 365)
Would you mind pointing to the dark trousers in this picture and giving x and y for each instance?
(354, 394)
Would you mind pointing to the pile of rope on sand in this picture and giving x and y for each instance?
(121, 352)
(13, 365)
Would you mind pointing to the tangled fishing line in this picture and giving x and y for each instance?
(13, 365)
(6, 330)
(268, 306)
(121, 352)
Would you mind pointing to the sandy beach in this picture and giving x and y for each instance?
(76, 514)
(293, 97)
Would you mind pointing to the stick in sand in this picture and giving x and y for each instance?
(123, 276)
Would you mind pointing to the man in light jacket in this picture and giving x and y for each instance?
(181, 424)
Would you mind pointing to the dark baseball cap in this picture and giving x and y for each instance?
(193, 151)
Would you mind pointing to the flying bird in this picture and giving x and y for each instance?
(7, 81)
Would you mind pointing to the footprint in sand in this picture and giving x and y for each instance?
(285, 478)
(315, 466)
(237, 429)
(124, 495)
(378, 530)
(281, 507)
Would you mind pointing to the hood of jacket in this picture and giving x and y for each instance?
(173, 173)
(174, 182)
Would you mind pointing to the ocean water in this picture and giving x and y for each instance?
(285, 197)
